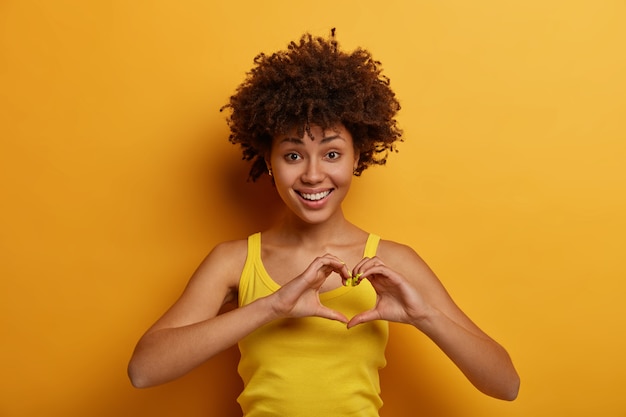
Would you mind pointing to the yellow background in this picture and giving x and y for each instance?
(117, 178)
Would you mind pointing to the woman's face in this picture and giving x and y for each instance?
(313, 176)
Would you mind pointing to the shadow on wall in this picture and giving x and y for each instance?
(254, 206)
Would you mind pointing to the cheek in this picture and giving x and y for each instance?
(284, 180)
(343, 174)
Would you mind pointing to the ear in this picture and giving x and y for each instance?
(267, 159)
(357, 157)
(268, 164)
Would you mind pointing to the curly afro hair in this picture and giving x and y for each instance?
(314, 82)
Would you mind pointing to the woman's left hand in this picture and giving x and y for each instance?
(409, 292)
(397, 300)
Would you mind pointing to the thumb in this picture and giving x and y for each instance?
(331, 314)
(364, 317)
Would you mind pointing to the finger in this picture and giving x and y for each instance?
(380, 272)
(353, 281)
(326, 264)
(337, 265)
(359, 266)
(356, 276)
(344, 273)
(364, 317)
(331, 314)
(367, 263)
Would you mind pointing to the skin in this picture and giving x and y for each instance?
(313, 248)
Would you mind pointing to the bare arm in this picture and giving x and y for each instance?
(409, 292)
(191, 331)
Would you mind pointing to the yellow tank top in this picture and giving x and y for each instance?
(311, 366)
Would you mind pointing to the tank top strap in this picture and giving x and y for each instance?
(254, 246)
(246, 280)
(371, 246)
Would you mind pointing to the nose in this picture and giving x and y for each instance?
(313, 173)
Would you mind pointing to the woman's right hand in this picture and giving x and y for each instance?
(300, 296)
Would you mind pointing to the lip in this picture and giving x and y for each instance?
(320, 195)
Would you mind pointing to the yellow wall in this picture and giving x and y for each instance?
(116, 179)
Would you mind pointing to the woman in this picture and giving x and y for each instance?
(314, 292)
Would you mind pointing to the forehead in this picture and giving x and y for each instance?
(314, 134)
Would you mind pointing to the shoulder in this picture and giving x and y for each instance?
(400, 256)
(389, 249)
(232, 252)
(212, 287)
(223, 265)
(229, 256)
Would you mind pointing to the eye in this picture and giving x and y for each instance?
(333, 155)
(292, 156)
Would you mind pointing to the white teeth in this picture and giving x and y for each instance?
(316, 196)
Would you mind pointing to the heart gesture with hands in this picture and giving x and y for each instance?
(397, 300)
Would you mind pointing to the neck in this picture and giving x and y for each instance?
(291, 228)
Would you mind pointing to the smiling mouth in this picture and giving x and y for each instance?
(315, 196)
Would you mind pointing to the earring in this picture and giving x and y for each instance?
(269, 171)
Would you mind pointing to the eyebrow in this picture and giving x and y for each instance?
(299, 141)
